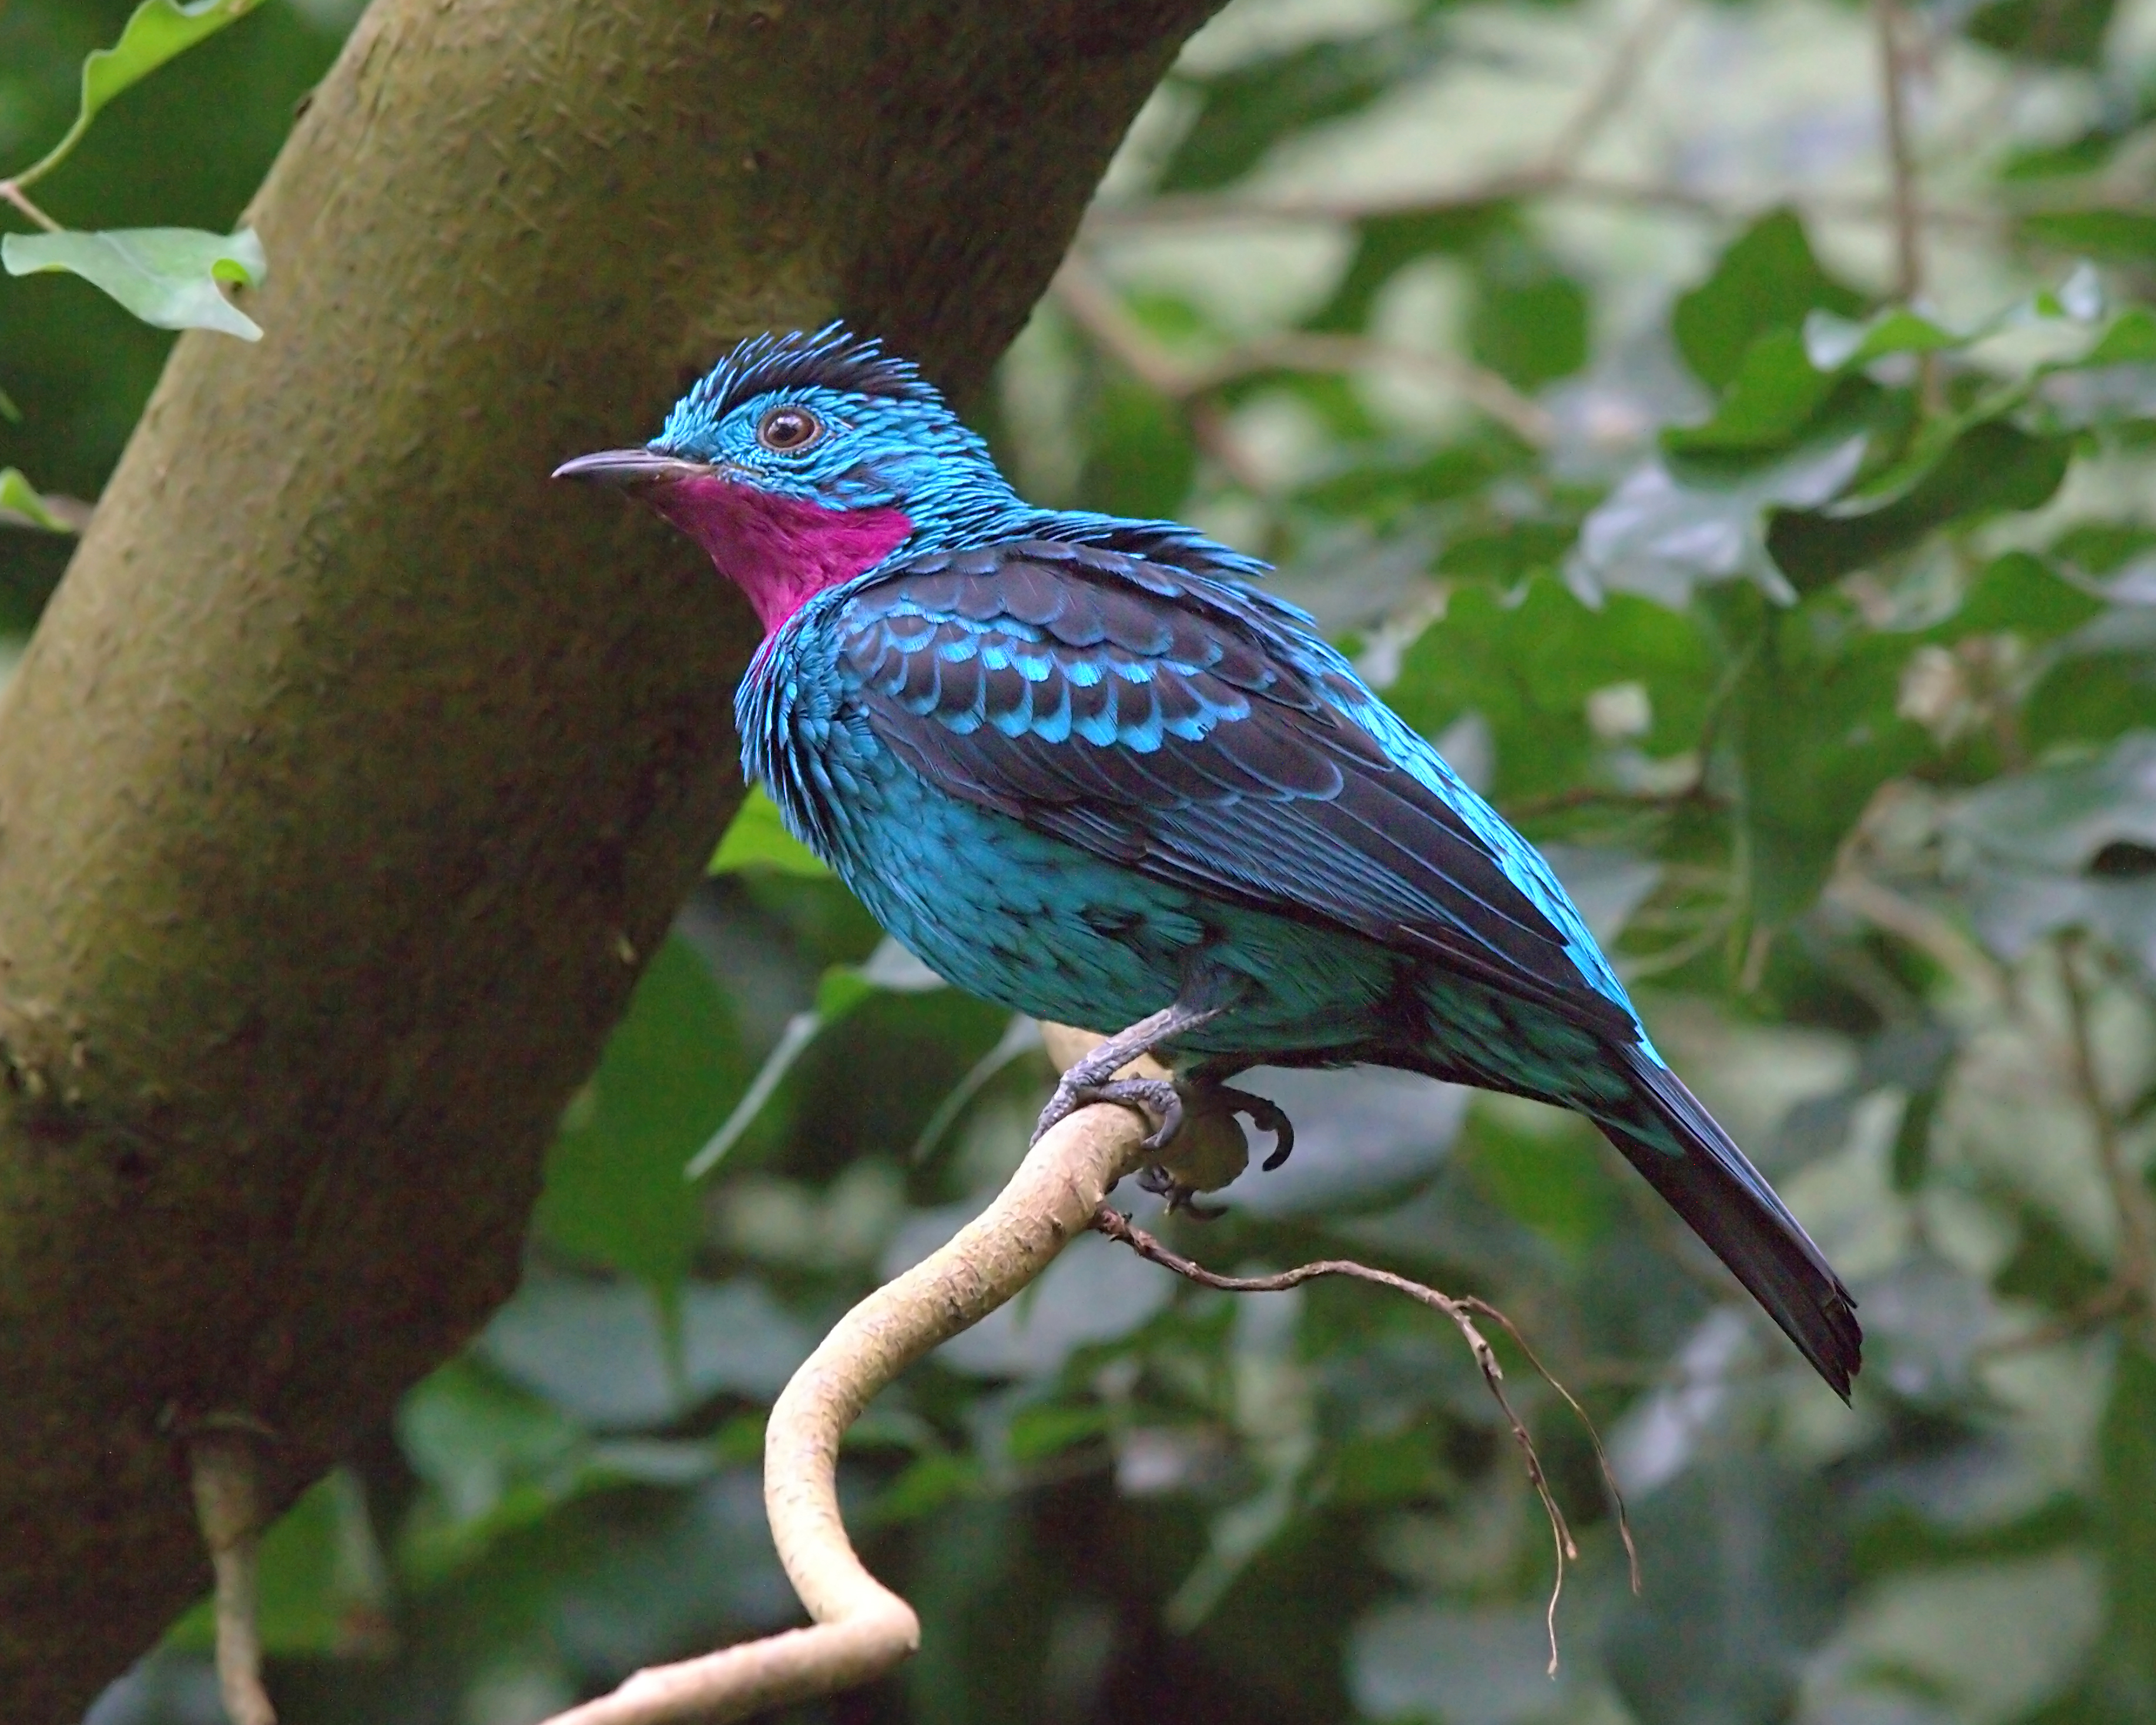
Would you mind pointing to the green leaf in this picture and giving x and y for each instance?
(1529, 322)
(1736, 1526)
(1386, 244)
(2116, 236)
(1664, 532)
(1767, 279)
(2061, 33)
(1773, 397)
(1836, 343)
(159, 31)
(1246, 110)
(757, 838)
(1554, 1183)
(614, 1191)
(1832, 343)
(2128, 1444)
(1527, 668)
(167, 277)
(1817, 734)
(1140, 460)
(1991, 467)
(842, 989)
(2131, 339)
(319, 1587)
(17, 494)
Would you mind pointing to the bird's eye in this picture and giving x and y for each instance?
(787, 429)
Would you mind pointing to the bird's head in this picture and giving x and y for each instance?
(804, 460)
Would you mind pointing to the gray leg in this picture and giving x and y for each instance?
(1092, 1078)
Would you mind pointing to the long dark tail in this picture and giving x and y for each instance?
(1688, 1158)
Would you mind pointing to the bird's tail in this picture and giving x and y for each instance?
(1686, 1156)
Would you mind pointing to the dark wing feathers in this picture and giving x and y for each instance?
(1002, 675)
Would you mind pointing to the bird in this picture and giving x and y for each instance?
(1091, 769)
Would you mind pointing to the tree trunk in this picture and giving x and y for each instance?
(354, 770)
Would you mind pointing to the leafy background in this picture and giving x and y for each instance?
(1755, 504)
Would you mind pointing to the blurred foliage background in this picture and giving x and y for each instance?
(1730, 427)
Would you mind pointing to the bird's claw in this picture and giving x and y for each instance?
(1264, 1113)
(1151, 1096)
(1181, 1200)
(1171, 1103)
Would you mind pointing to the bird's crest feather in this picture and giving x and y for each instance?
(832, 357)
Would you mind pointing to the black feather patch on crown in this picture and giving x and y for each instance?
(832, 357)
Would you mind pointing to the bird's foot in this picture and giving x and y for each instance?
(1158, 1098)
(1181, 1198)
(1264, 1113)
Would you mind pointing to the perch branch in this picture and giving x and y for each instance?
(861, 1628)
(1462, 1312)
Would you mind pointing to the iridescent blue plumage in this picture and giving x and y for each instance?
(1082, 766)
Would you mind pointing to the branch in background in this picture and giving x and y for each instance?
(1239, 209)
(1462, 1312)
(2134, 1273)
(1093, 305)
(12, 191)
(1930, 932)
(1620, 76)
(1894, 110)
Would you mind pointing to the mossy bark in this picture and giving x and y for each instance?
(353, 770)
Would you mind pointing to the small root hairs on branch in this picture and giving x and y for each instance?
(1462, 1311)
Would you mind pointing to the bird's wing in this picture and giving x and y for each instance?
(1188, 729)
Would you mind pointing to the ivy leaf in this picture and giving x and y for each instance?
(1767, 279)
(1833, 343)
(167, 277)
(757, 838)
(2064, 32)
(1990, 467)
(159, 31)
(1246, 109)
(890, 969)
(2117, 236)
(19, 496)
(1660, 535)
(2070, 844)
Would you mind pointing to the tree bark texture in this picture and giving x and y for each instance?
(354, 770)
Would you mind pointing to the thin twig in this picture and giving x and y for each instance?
(1919, 925)
(221, 1460)
(1620, 74)
(1119, 1227)
(2136, 1269)
(13, 193)
(2099, 1308)
(1901, 161)
(1093, 305)
(1180, 210)
(861, 1628)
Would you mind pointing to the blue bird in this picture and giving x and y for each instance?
(1083, 767)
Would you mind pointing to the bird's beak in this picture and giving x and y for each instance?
(630, 467)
